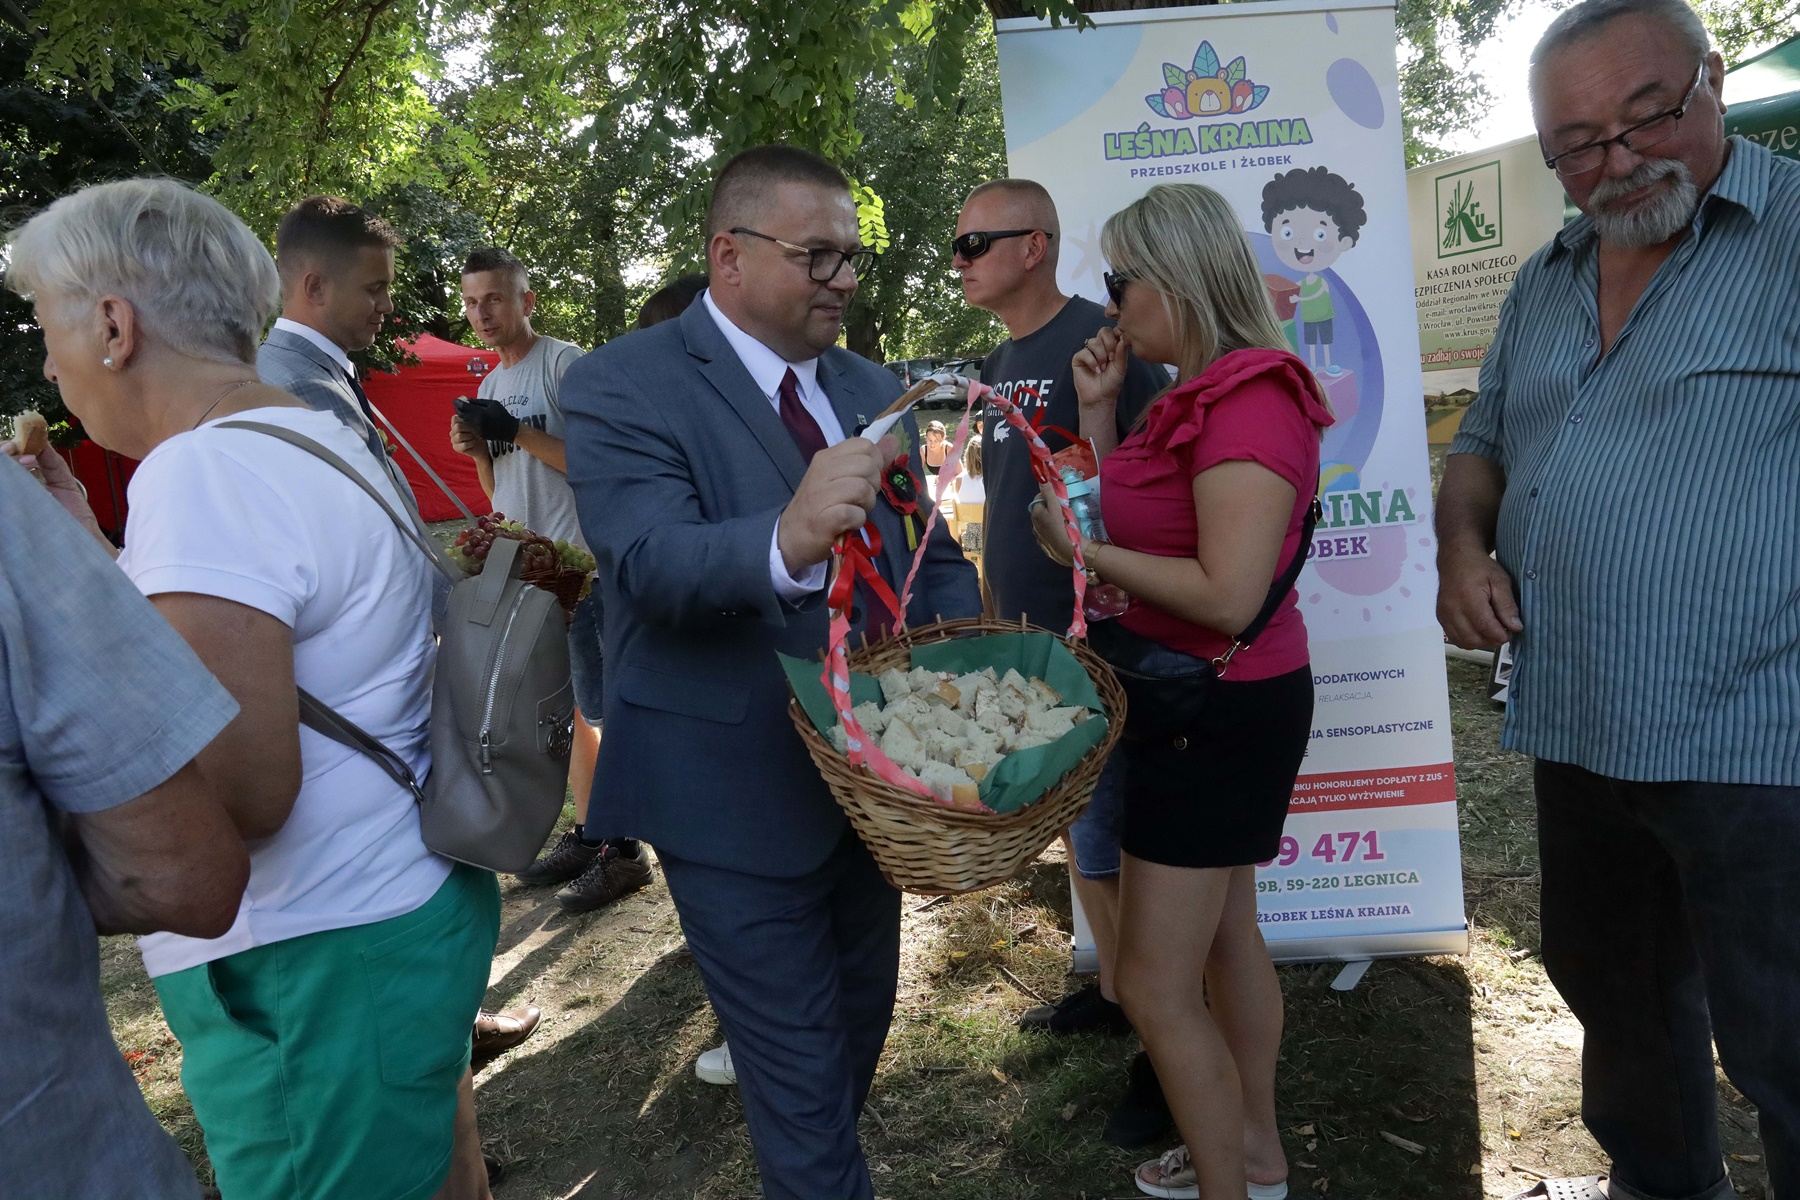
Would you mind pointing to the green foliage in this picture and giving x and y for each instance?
(54, 138)
(923, 163)
(1738, 26)
(581, 134)
(1439, 96)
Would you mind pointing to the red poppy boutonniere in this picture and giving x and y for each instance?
(901, 488)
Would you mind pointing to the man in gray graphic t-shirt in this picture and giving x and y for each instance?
(514, 432)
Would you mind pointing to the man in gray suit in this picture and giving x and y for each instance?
(713, 474)
(337, 274)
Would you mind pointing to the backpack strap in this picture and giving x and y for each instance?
(1288, 578)
(409, 526)
(323, 719)
(315, 714)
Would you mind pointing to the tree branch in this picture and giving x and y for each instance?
(328, 94)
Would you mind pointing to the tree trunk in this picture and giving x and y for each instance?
(862, 332)
(608, 303)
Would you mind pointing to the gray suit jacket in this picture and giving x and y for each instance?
(681, 468)
(296, 366)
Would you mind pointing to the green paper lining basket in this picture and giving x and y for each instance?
(929, 848)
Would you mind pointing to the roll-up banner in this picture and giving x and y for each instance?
(1291, 111)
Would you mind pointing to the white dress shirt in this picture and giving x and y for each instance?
(767, 369)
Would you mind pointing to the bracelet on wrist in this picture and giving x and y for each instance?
(1088, 563)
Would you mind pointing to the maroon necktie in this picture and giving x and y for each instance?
(800, 424)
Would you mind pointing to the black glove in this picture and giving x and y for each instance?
(490, 419)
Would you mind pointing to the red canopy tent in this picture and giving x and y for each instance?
(419, 399)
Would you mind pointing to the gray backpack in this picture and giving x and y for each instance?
(502, 702)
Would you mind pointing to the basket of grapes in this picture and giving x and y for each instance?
(561, 568)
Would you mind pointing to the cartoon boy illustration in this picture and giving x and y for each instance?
(1313, 217)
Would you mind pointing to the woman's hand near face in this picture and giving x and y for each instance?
(1099, 368)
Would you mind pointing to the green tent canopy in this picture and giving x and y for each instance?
(1762, 95)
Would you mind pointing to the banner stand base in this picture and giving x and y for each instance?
(1351, 975)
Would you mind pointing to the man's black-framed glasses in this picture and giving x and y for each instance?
(977, 242)
(1115, 282)
(1640, 137)
(822, 262)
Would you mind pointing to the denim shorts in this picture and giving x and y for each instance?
(586, 659)
(1095, 834)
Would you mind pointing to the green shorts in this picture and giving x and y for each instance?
(328, 1065)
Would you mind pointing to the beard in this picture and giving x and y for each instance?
(1654, 220)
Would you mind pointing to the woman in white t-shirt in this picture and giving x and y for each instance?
(965, 500)
(325, 1036)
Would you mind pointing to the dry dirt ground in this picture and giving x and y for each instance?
(1435, 1079)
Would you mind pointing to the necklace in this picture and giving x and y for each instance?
(229, 388)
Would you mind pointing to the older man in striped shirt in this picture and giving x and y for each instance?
(1632, 462)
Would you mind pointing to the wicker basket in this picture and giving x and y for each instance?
(564, 583)
(933, 850)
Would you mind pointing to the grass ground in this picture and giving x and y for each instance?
(1439, 1078)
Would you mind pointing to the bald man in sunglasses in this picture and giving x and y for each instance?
(1005, 250)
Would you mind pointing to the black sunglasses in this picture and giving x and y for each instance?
(978, 242)
(1115, 286)
(822, 262)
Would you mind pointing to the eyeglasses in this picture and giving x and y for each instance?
(822, 262)
(977, 242)
(1640, 137)
(1115, 286)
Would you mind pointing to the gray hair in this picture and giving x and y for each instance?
(1587, 18)
(199, 280)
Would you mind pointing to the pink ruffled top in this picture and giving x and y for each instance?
(1258, 406)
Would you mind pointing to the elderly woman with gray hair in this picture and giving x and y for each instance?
(325, 1035)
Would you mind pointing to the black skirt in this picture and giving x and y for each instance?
(1218, 795)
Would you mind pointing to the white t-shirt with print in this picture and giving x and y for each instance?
(526, 489)
(242, 516)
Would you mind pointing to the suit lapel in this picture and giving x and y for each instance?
(720, 366)
(857, 406)
(299, 345)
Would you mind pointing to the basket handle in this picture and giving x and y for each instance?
(853, 558)
(1041, 465)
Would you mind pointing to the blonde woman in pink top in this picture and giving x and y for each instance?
(1206, 505)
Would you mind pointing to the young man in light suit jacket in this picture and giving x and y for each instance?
(714, 464)
(337, 274)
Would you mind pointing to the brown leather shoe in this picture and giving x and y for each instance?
(498, 1032)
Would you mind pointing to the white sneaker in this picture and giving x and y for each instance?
(715, 1066)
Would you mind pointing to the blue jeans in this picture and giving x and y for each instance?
(1671, 921)
(587, 661)
(1094, 837)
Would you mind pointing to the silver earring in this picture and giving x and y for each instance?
(107, 361)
